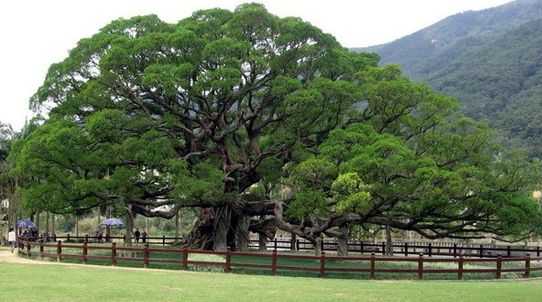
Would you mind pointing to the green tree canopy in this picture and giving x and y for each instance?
(224, 110)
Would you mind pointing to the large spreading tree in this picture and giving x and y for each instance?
(263, 123)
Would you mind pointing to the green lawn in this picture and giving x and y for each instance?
(75, 283)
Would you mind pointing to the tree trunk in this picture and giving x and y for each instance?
(242, 235)
(222, 226)
(47, 223)
(262, 241)
(389, 243)
(52, 223)
(107, 227)
(293, 241)
(342, 241)
(177, 232)
(317, 243)
(77, 226)
(129, 225)
(38, 222)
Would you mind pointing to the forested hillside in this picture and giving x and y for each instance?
(489, 59)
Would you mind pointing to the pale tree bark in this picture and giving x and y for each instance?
(76, 225)
(107, 227)
(242, 235)
(293, 241)
(99, 218)
(38, 222)
(262, 242)
(129, 225)
(222, 226)
(177, 225)
(389, 242)
(317, 243)
(47, 223)
(342, 241)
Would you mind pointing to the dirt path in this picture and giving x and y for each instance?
(7, 257)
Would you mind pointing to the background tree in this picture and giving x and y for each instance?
(416, 165)
(225, 111)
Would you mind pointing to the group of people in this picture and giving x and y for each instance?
(48, 237)
(30, 234)
(140, 235)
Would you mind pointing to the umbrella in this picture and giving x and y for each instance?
(113, 222)
(25, 224)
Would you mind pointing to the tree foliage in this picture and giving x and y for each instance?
(229, 111)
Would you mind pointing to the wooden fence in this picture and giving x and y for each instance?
(359, 247)
(325, 264)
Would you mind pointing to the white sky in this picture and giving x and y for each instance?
(37, 33)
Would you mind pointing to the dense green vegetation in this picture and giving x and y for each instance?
(34, 283)
(490, 60)
(264, 124)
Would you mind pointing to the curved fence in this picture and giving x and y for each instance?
(275, 262)
(356, 247)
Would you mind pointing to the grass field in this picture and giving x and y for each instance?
(32, 282)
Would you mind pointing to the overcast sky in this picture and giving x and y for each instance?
(37, 33)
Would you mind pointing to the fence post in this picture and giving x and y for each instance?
(538, 251)
(322, 264)
(527, 266)
(499, 267)
(68, 237)
(372, 265)
(227, 263)
(86, 238)
(508, 251)
(383, 248)
(460, 268)
(59, 251)
(28, 249)
(361, 247)
(164, 240)
(274, 262)
(406, 249)
(420, 266)
(114, 253)
(146, 256)
(85, 251)
(430, 249)
(275, 244)
(481, 251)
(297, 244)
(185, 258)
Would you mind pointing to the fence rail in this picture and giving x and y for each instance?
(357, 247)
(324, 264)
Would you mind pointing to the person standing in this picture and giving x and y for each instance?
(12, 239)
(137, 234)
(144, 236)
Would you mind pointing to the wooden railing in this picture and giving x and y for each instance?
(358, 247)
(321, 265)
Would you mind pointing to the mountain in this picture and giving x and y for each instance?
(490, 59)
